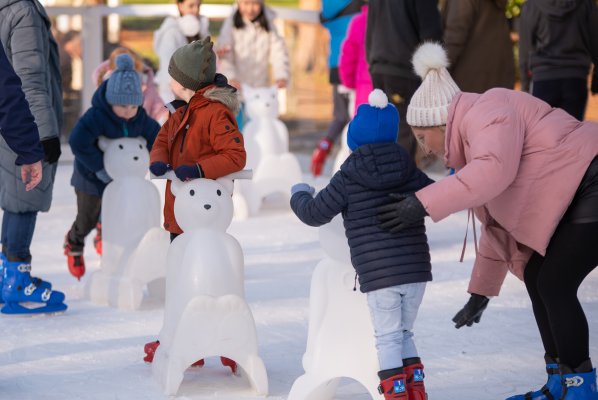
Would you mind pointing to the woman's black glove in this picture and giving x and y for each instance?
(51, 149)
(404, 212)
(472, 311)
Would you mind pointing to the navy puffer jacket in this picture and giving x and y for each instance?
(98, 121)
(364, 182)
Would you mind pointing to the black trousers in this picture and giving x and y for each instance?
(570, 94)
(340, 114)
(88, 213)
(399, 91)
(552, 281)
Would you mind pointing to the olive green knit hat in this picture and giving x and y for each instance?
(194, 64)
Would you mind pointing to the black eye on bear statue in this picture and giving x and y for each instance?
(120, 146)
(192, 192)
(141, 147)
(218, 192)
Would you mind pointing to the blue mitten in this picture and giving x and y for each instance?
(103, 176)
(159, 168)
(187, 172)
(303, 187)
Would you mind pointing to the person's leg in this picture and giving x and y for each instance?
(549, 91)
(574, 96)
(571, 255)
(88, 212)
(19, 234)
(4, 235)
(340, 114)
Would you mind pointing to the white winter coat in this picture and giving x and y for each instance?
(167, 39)
(253, 51)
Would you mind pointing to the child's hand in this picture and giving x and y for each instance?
(188, 172)
(103, 176)
(303, 187)
(159, 168)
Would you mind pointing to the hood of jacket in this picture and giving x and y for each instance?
(6, 3)
(557, 8)
(380, 166)
(225, 95)
(99, 101)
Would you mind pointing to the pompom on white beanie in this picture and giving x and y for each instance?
(430, 102)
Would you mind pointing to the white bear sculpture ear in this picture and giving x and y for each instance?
(142, 140)
(176, 186)
(227, 184)
(104, 143)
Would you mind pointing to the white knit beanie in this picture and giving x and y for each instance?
(430, 102)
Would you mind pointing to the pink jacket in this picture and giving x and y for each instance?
(152, 102)
(519, 163)
(353, 66)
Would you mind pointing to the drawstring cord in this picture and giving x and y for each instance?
(470, 215)
(355, 283)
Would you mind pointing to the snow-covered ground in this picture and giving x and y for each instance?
(94, 352)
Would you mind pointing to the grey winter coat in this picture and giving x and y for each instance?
(33, 53)
(478, 43)
(364, 182)
(558, 40)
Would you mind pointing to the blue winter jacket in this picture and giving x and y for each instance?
(337, 28)
(17, 125)
(98, 121)
(364, 182)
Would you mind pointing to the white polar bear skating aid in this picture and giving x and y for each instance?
(340, 339)
(205, 312)
(266, 139)
(134, 244)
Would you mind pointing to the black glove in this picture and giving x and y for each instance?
(472, 311)
(51, 149)
(401, 214)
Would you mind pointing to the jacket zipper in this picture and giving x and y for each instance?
(125, 129)
(184, 135)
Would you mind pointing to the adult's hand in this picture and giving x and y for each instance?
(405, 211)
(31, 174)
(51, 149)
(472, 311)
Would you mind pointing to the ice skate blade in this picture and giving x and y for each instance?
(32, 308)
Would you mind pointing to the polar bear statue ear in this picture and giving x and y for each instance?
(142, 140)
(176, 186)
(227, 181)
(104, 143)
(227, 184)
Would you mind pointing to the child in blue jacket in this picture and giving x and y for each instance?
(393, 268)
(115, 112)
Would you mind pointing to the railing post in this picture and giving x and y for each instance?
(93, 45)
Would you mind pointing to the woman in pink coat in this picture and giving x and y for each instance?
(353, 66)
(529, 172)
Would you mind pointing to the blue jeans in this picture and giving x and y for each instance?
(17, 233)
(393, 311)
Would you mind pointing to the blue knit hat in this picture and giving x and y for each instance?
(124, 84)
(376, 122)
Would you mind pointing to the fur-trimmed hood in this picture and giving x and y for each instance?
(225, 95)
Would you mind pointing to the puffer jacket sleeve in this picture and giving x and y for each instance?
(83, 141)
(319, 210)
(227, 142)
(459, 17)
(495, 139)
(159, 150)
(28, 61)
(150, 131)
(226, 64)
(279, 56)
(349, 58)
(16, 122)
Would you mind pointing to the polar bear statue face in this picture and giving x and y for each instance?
(261, 102)
(202, 203)
(125, 157)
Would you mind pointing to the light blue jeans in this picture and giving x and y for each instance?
(393, 311)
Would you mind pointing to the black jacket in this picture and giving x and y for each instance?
(364, 182)
(17, 125)
(395, 29)
(558, 39)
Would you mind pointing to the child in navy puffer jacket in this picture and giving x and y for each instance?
(393, 268)
(115, 112)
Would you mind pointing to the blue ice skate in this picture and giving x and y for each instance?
(580, 386)
(20, 291)
(553, 388)
(38, 282)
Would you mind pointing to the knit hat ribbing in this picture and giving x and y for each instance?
(430, 102)
(124, 84)
(375, 122)
(194, 65)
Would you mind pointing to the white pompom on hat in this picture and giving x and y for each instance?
(430, 102)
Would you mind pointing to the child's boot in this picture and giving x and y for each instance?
(150, 351)
(553, 388)
(579, 383)
(227, 362)
(37, 281)
(18, 287)
(414, 371)
(97, 240)
(75, 261)
(393, 384)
